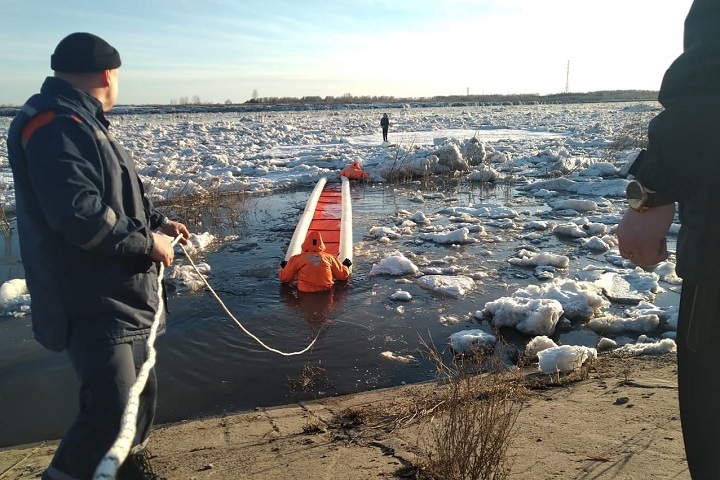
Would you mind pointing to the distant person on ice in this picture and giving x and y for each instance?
(354, 172)
(385, 124)
(316, 269)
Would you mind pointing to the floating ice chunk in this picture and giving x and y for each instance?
(385, 232)
(463, 218)
(534, 259)
(612, 324)
(420, 218)
(14, 298)
(185, 278)
(564, 358)
(401, 296)
(630, 288)
(539, 225)
(453, 285)
(578, 299)
(596, 244)
(449, 320)
(543, 193)
(12, 289)
(606, 344)
(466, 341)
(646, 346)
(574, 204)
(544, 272)
(541, 342)
(528, 315)
(398, 358)
(197, 242)
(459, 236)
(666, 272)
(600, 169)
(558, 184)
(486, 210)
(570, 230)
(483, 173)
(394, 264)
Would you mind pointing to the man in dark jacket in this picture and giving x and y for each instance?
(89, 250)
(385, 124)
(682, 163)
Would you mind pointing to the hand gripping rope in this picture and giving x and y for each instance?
(118, 452)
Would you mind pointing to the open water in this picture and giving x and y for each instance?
(207, 365)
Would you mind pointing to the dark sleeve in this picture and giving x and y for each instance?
(67, 176)
(681, 157)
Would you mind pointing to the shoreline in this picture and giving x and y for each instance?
(621, 422)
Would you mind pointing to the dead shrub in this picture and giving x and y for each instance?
(470, 435)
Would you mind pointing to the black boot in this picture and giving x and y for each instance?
(137, 467)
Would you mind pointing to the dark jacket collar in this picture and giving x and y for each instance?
(57, 87)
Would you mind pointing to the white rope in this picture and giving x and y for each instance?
(260, 342)
(118, 452)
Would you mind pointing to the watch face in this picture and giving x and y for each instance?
(635, 195)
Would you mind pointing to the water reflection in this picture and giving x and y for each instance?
(316, 308)
(207, 365)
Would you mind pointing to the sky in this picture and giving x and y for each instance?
(220, 50)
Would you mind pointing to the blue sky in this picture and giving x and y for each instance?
(222, 50)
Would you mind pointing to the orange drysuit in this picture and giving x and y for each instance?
(316, 270)
(354, 172)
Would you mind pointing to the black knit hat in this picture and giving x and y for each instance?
(84, 52)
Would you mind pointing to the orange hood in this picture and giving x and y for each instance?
(313, 243)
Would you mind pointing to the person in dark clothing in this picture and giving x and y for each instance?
(385, 124)
(89, 249)
(682, 164)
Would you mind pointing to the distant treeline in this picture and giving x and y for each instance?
(348, 102)
(585, 97)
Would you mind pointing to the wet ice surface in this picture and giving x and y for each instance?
(517, 237)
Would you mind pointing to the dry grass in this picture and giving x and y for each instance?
(4, 223)
(633, 135)
(312, 376)
(470, 435)
(212, 207)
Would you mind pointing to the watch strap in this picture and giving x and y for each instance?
(655, 199)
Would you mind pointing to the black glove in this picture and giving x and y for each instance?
(347, 262)
(282, 264)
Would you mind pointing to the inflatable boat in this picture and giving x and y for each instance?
(328, 211)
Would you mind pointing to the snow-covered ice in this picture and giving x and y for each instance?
(557, 158)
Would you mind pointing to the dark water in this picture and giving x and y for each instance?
(207, 365)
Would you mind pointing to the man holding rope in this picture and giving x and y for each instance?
(90, 251)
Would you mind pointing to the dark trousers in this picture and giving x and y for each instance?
(698, 383)
(385, 130)
(106, 375)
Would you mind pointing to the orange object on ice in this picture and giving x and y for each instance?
(354, 172)
(315, 268)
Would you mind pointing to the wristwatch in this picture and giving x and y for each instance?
(641, 198)
(164, 221)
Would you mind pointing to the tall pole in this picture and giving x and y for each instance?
(567, 78)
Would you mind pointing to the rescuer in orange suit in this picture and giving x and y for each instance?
(354, 172)
(316, 269)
